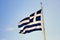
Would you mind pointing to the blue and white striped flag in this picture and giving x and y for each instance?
(31, 23)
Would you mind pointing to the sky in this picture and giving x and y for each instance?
(12, 11)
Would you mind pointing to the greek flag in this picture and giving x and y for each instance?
(31, 23)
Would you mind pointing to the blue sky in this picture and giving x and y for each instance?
(12, 11)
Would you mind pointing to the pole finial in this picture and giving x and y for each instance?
(41, 5)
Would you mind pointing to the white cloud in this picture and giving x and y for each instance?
(10, 29)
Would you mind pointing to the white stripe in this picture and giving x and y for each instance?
(23, 22)
(34, 22)
(31, 17)
(21, 28)
(36, 27)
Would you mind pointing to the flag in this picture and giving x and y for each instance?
(31, 23)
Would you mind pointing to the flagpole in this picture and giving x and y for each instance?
(43, 23)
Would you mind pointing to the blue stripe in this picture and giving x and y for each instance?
(28, 31)
(32, 14)
(33, 25)
(27, 18)
(21, 31)
(21, 25)
(39, 11)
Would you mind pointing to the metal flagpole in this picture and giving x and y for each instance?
(43, 23)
